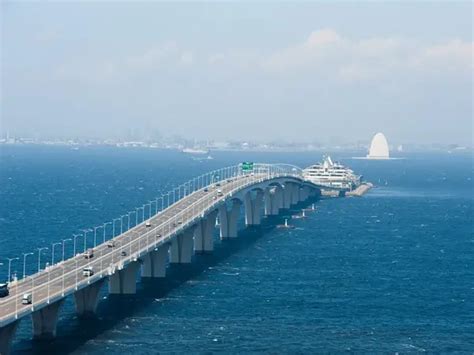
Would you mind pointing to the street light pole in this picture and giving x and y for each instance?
(136, 215)
(113, 224)
(39, 257)
(52, 253)
(10, 267)
(75, 237)
(63, 242)
(105, 226)
(85, 231)
(95, 234)
(24, 263)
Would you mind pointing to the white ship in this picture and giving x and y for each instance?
(332, 174)
(196, 151)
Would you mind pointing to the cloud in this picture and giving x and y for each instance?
(117, 68)
(324, 54)
(337, 57)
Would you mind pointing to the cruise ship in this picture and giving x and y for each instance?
(332, 174)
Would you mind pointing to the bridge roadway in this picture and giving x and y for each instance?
(66, 277)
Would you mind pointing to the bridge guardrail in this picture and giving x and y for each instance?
(170, 226)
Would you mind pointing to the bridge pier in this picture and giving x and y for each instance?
(154, 263)
(295, 194)
(253, 207)
(269, 201)
(203, 237)
(306, 193)
(279, 197)
(45, 321)
(124, 282)
(182, 247)
(229, 219)
(287, 195)
(6, 337)
(87, 299)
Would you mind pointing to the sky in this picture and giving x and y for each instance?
(267, 71)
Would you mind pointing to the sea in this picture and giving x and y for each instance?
(390, 272)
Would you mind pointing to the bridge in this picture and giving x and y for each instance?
(183, 223)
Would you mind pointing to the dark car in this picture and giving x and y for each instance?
(123, 253)
(4, 292)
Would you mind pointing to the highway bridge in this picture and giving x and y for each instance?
(183, 223)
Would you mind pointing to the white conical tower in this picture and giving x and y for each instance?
(378, 147)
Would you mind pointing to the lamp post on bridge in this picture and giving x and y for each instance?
(85, 231)
(129, 214)
(62, 265)
(25, 255)
(105, 226)
(10, 267)
(75, 237)
(52, 251)
(39, 257)
(95, 234)
(63, 243)
(136, 214)
(113, 226)
(149, 210)
(151, 202)
(121, 219)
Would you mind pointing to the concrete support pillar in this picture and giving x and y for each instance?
(295, 196)
(229, 219)
(248, 208)
(204, 233)
(269, 201)
(6, 337)
(45, 321)
(305, 191)
(233, 218)
(223, 219)
(279, 203)
(303, 194)
(154, 263)
(87, 299)
(182, 247)
(257, 208)
(287, 195)
(124, 282)
(253, 208)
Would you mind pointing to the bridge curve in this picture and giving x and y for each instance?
(172, 234)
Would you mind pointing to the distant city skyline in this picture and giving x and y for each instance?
(295, 72)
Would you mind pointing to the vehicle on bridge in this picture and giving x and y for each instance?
(148, 224)
(89, 254)
(88, 271)
(26, 299)
(4, 292)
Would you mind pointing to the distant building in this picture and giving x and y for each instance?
(378, 147)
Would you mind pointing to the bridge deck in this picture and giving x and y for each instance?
(66, 277)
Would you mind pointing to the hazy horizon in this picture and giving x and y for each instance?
(313, 72)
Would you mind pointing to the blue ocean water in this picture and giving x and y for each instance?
(390, 272)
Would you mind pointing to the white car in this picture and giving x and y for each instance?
(148, 224)
(26, 299)
(87, 271)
